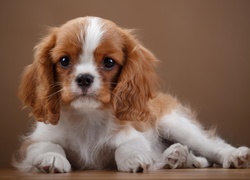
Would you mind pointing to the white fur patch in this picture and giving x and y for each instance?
(84, 103)
(45, 157)
(93, 35)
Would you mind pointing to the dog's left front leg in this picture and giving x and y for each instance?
(133, 152)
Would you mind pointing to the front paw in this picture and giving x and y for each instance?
(138, 161)
(51, 163)
(238, 158)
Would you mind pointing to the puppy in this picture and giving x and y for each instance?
(92, 89)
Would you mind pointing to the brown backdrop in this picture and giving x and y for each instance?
(204, 48)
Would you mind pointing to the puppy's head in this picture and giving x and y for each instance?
(89, 63)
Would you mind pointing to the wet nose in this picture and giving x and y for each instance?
(84, 80)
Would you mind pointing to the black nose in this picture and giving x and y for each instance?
(84, 80)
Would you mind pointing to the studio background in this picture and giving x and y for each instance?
(203, 47)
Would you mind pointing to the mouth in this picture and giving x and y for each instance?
(85, 94)
(84, 101)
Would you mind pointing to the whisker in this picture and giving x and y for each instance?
(95, 94)
(55, 85)
(53, 94)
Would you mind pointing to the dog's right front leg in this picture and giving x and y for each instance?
(44, 157)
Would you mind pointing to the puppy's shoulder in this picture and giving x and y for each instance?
(163, 103)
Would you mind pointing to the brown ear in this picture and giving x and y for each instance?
(136, 84)
(38, 86)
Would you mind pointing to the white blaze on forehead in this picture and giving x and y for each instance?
(92, 37)
(93, 33)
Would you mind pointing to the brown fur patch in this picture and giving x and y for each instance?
(163, 104)
(109, 48)
(160, 105)
(37, 84)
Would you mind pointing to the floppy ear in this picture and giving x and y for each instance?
(38, 88)
(136, 84)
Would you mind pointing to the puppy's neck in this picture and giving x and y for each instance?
(69, 113)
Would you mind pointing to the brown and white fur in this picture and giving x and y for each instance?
(92, 89)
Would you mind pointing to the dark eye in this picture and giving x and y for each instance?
(108, 63)
(65, 61)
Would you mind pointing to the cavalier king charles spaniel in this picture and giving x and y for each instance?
(93, 90)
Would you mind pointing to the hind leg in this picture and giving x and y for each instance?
(179, 156)
(181, 127)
